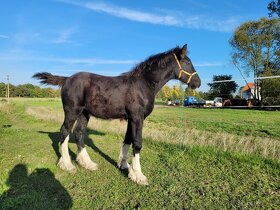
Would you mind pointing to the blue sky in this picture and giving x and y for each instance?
(110, 37)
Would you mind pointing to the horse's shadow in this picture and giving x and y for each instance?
(38, 190)
(55, 137)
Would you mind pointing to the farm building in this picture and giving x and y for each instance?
(248, 91)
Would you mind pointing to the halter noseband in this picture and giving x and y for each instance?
(183, 71)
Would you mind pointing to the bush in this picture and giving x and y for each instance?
(29, 90)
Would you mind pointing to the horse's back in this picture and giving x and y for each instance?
(72, 92)
(101, 96)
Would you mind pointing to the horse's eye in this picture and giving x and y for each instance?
(187, 61)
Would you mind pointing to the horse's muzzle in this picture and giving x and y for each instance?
(195, 82)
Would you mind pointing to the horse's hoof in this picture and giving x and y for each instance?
(89, 165)
(138, 177)
(84, 160)
(123, 165)
(66, 166)
(92, 166)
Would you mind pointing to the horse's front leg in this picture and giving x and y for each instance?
(135, 172)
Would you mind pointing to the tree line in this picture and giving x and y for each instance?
(28, 90)
(177, 92)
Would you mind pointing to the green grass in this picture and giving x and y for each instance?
(240, 122)
(181, 177)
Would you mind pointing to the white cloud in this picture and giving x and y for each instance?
(21, 56)
(132, 14)
(26, 37)
(2, 36)
(55, 37)
(18, 54)
(209, 64)
(177, 18)
(85, 61)
(126, 13)
(105, 72)
(64, 36)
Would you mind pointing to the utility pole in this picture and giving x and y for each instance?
(8, 89)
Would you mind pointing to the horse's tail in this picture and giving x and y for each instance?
(48, 78)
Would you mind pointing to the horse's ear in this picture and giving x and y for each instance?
(183, 51)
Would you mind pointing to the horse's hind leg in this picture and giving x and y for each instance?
(123, 157)
(65, 161)
(82, 157)
(135, 172)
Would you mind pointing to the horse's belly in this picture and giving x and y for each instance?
(107, 111)
(106, 104)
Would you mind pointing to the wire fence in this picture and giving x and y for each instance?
(269, 99)
(254, 78)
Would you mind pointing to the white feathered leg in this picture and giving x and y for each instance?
(65, 161)
(135, 173)
(122, 162)
(84, 160)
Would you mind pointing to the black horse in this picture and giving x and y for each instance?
(129, 96)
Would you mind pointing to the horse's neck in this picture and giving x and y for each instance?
(157, 80)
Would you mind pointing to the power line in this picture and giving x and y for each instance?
(254, 78)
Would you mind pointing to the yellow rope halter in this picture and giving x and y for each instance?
(184, 71)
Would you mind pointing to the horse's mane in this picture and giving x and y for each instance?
(160, 60)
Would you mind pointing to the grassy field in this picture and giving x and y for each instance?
(194, 159)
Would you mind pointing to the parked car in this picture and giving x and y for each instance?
(218, 102)
(173, 103)
(193, 101)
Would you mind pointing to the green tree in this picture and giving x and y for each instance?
(171, 93)
(270, 89)
(255, 48)
(274, 8)
(3, 89)
(204, 95)
(164, 94)
(28, 90)
(177, 93)
(189, 92)
(222, 89)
